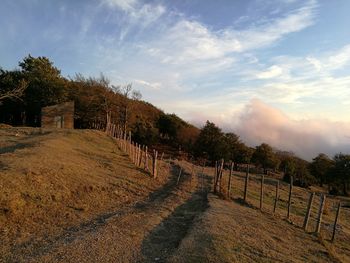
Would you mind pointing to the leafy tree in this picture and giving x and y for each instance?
(231, 142)
(236, 150)
(12, 91)
(288, 166)
(243, 154)
(265, 157)
(339, 173)
(319, 167)
(168, 125)
(303, 176)
(46, 86)
(186, 136)
(144, 132)
(210, 142)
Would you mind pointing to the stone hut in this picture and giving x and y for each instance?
(58, 116)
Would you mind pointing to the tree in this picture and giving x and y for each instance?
(265, 157)
(236, 150)
(94, 99)
(210, 143)
(339, 173)
(46, 86)
(12, 97)
(231, 143)
(136, 95)
(15, 93)
(319, 167)
(144, 132)
(168, 125)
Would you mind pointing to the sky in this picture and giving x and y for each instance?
(275, 71)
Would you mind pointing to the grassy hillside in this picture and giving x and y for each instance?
(52, 180)
(73, 196)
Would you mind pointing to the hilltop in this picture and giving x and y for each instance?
(72, 195)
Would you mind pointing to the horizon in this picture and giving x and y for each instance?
(270, 71)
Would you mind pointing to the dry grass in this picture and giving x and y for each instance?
(232, 232)
(300, 196)
(70, 196)
(52, 180)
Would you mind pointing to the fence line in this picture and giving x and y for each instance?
(228, 188)
(137, 153)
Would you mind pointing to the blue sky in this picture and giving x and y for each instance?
(247, 65)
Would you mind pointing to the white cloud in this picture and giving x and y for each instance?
(138, 15)
(189, 41)
(125, 5)
(339, 59)
(315, 62)
(272, 72)
(154, 85)
(334, 60)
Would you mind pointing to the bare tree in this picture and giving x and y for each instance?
(126, 90)
(15, 93)
(136, 95)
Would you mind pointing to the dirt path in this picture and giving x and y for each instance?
(148, 231)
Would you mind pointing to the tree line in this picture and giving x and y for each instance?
(213, 144)
(38, 83)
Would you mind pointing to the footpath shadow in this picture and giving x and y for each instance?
(22, 143)
(163, 192)
(164, 239)
(18, 146)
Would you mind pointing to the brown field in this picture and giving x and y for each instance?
(73, 196)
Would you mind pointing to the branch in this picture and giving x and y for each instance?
(16, 93)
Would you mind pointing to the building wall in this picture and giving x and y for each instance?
(58, 116)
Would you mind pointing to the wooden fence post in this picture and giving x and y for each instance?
(203, 177)
(336, 221)
(262, 191)
(320, 213)
(146, 159)
(178, 178)
(155, 154)
(290, 196)
(308, 211)
(129, 143)
(229, 181)
(220, 174)
(276, 196)
(137, 154)
(246, 184)
(124, 142)
(133, 151)
(215, 175)
(140, 157)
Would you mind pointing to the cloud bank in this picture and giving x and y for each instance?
(259, 122)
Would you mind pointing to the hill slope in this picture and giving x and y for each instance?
(72, 196)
